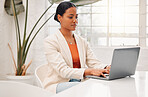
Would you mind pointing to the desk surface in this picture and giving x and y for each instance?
(17, 89)
(135, 86)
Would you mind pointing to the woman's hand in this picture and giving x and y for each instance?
(108, 67)
(95, 72)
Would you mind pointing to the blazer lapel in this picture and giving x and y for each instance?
(65, 47)
(80, 49)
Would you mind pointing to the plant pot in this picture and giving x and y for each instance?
(28, 78)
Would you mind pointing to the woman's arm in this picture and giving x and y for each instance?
(96, 68)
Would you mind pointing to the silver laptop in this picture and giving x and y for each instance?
(123, 64)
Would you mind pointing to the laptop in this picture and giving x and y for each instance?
(123, 64)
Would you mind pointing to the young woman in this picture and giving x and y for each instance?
(69, 56)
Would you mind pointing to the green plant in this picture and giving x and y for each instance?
(24, 44)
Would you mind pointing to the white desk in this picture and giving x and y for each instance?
(135, 86)
(17, 89)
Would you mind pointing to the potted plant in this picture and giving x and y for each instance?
(24, 44)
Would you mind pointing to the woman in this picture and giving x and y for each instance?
(69, 57)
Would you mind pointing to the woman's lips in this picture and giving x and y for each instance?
(74, 25)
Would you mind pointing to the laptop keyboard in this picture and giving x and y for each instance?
(106, 75)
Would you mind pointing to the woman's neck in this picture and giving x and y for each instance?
(66, 33)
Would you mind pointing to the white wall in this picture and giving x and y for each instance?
(5, 38)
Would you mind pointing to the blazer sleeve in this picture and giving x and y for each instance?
(58, 63)
(91, 60)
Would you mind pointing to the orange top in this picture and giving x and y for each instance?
(75, 55)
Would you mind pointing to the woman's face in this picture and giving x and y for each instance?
(69, 19)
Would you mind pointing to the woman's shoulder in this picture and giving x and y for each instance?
(51, 41)
(50, 38)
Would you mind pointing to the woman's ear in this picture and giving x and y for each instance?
(59, 17)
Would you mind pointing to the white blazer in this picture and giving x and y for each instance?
(60, 60)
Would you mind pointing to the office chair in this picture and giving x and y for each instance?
(40, 73)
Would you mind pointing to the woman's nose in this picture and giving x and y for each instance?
(75, 20)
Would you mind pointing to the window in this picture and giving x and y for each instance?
(111, 23)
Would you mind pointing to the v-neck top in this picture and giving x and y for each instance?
(75, 55)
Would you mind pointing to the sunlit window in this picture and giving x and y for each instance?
(110, 23)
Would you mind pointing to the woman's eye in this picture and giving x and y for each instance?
(70, 17)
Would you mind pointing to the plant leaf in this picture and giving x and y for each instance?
(25, 28)
(35, 36)
(26, 41)
(19, 59)
(26, 16)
